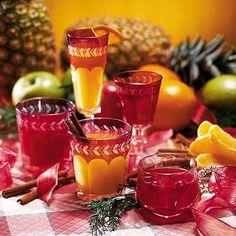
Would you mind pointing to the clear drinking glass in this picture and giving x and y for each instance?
(167, 184)
(139, 92)
(101, 159)
(88, 55)
(44, 136)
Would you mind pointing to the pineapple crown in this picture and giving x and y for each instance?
(198, 61)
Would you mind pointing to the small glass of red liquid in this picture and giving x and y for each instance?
(167, 185)
(44, 136)
(139, 92)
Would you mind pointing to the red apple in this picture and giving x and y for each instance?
(110, 102)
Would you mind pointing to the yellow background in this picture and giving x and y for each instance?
(178, 18)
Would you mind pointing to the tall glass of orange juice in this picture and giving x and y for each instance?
(88, 54)
(101, 159)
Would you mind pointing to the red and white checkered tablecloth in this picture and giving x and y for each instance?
(65, 216)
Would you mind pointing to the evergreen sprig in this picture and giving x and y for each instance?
(7, 121)
(107, 212)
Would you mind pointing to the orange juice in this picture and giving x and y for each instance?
(102, 169)
(87, 87)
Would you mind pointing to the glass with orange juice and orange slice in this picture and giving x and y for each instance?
(88, 53)
(101, 157)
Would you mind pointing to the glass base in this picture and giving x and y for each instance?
(154, 218)
(89, 113)
(87, 197)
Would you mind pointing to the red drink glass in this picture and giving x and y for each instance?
(139, 92)
(44, 136)
(167, 184)
(88, 55)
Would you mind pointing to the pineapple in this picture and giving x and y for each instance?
(26, 40)
(143, 43)
(198, 61)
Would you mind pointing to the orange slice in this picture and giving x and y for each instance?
(208, 159)
(203, 128)
(115, 36)
(225, 144)
(202, 144)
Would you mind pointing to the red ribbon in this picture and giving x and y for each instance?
(201, 113)
(7, 154)
(223, 185)
(46, 182)
(5, 175)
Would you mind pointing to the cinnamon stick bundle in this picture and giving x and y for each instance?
(22, 188)
(183, 139)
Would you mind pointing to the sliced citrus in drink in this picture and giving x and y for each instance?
(98, 176)
(81, 173)
(203, 128)
(115, 36)
(117, 172)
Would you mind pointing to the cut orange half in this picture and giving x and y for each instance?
(115, 36)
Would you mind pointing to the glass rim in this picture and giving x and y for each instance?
(127, 133)
(120, 75)
(84, 37)
(45, 98)
(178, 155)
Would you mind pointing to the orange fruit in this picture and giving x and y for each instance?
(175, 105)
(115, 36)
(166, 73)
(176, 100)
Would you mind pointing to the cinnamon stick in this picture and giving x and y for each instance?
(32, 195)
(77, 125)
(183, 139)
(20, 189)
(28, 197)
(132, 174)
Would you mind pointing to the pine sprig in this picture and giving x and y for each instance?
(7, 121)
(107, 212)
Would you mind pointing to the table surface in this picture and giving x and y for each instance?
(65, 216)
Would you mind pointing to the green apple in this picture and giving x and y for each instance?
(220, 92)
(36, 84)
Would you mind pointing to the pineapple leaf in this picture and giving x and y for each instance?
(214, 44)
(212, 56)
(198, 48)
(195, 42)
(194, 71)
